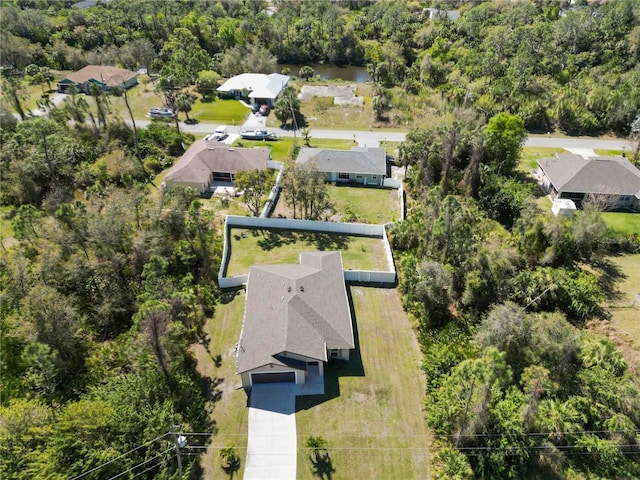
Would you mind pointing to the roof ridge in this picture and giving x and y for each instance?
(316, 316)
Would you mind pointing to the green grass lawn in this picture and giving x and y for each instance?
(282, 148)
(608, 153)
(531, 155)
(371, 415)
(621, 222)
(216, 361)
(255, 247)
(365, 204)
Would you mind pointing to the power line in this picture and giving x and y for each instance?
(164, 460)
(143, 463)
(117, 458)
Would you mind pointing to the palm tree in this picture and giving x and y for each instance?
(230, 460)
(604, 354)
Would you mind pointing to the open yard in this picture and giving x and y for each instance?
(530, 156)
(216, 361)
(626, 223)
(282, 149)
(371, 414)
(255, 247)
(365, 204)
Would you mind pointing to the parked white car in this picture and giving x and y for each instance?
(220, 134)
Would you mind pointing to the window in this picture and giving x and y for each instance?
(358, 176)
(334, 353)
(374, 177)
(343, 176)
(624, 198)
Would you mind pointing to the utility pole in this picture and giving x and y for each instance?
(179, 441)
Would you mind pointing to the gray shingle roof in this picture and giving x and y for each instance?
(300, 309)
(608, 175)
(203, 158)
(361, 160)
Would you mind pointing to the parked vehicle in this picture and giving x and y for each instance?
(220, 134)
(161, 112)
(258, 135)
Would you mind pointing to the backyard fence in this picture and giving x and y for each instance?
(360, 229)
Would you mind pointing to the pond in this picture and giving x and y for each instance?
(349, 73)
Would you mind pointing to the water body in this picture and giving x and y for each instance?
(350, 73)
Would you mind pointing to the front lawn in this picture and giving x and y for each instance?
(625, 223)
(371, 414)
(530, 156)
(263, 246)
(282, 148)
(365, 204)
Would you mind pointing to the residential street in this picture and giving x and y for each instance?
(372, 138)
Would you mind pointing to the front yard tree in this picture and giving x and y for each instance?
(184, 103)
(287, 108)
(207, 83)
(254, 185)
(503, 139)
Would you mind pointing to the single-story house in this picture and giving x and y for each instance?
(296, 318)
(260, 88)
(362, 165)
(613, 181)
(104, 76)
(208, 162)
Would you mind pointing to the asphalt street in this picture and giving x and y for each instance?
(373, 137)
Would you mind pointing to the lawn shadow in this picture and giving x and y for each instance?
(336, 369)
(326, 241)
(611, 274)
(276, 238)
(321, 465)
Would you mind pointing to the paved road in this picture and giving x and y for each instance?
(371, 138)
(272, 440)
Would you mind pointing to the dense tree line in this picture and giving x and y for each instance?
(499, 291)
(108, 284)
(555, 66)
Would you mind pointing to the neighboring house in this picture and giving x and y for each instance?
(208, 162)
(103, 76)
(259, 88)
(296, 318)
(612, 181)
(362, 165)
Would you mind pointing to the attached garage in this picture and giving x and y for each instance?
(278, 377)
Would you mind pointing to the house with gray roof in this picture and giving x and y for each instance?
(297, 317)
(208, 162)
(105, 77)
(360, 165)
(613, 180)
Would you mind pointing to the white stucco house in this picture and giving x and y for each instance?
(260, 88)
(297, 317)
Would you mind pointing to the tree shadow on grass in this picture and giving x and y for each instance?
(326, 241)
(611, 274)
(276, 238)
(321, 465)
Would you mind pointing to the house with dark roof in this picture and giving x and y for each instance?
(360, 165)
(259, 88)
(103, 76)
(208, 162)
(297, 317)
(612, 180)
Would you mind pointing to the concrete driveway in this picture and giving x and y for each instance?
(272, 441)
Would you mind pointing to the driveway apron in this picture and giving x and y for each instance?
(272, 442)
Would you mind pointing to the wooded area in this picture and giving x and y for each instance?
(109, 279)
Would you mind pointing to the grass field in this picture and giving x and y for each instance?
(531, 155)
(254, 247)
(281, 149)
(371, 414)
(365, 204)
(216, 360)
(621, 222)
(608, 153)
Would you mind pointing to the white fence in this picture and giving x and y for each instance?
(362, 229)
